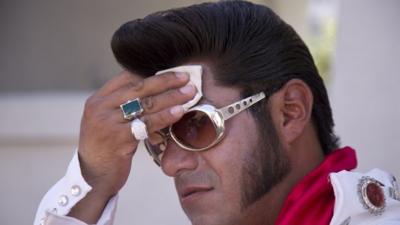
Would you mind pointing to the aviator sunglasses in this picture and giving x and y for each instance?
(200, 128)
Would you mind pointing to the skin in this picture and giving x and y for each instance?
(219, 167)
(216, 167)
(209, 183)
(106, 145)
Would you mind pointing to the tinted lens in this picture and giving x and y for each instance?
(195, 130)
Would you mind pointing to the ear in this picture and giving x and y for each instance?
(291, 109)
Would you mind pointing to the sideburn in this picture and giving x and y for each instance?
(267, 165)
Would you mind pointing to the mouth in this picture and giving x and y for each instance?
(189, 193)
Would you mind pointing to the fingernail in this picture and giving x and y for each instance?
(177, 110)
(188, 89)
(181, 75)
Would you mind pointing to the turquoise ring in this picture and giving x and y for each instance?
(132, 109)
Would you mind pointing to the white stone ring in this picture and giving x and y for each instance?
(138, 129)
(132, 109)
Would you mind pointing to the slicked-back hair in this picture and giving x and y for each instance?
(248, 46)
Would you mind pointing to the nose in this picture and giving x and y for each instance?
(177, 160)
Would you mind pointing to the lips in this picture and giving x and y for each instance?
(192, 191)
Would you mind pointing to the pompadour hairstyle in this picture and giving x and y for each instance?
(247, 46)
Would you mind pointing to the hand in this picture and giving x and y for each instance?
(106, 144)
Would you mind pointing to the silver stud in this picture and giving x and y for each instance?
(75, 190)
(162, 147)
(63, 200)
(160, 156)
(394, 191)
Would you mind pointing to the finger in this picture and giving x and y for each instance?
(152, 104)
(150, 86)
(122, 79)
(160, 120)
(156, 138)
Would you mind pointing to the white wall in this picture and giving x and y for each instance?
(365, 87)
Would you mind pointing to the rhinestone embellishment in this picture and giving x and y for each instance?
(372, 197)
(394, 191)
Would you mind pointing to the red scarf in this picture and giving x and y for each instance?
(312, 200)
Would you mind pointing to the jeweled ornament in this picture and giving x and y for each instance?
(371, 195)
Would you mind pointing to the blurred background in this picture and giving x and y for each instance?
(54, 54)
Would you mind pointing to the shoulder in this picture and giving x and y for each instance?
(371, 198)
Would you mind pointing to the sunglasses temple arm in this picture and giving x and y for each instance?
(235, 108)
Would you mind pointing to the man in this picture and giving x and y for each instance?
(275, 161)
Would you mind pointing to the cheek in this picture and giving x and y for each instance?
(228, 157)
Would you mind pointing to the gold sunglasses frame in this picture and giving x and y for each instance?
(218, 118)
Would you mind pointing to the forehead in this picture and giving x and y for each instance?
(214, 93)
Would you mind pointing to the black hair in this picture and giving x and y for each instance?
(248, 45)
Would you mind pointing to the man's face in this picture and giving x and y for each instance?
(216, 186)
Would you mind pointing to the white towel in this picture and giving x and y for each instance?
(195, 72)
